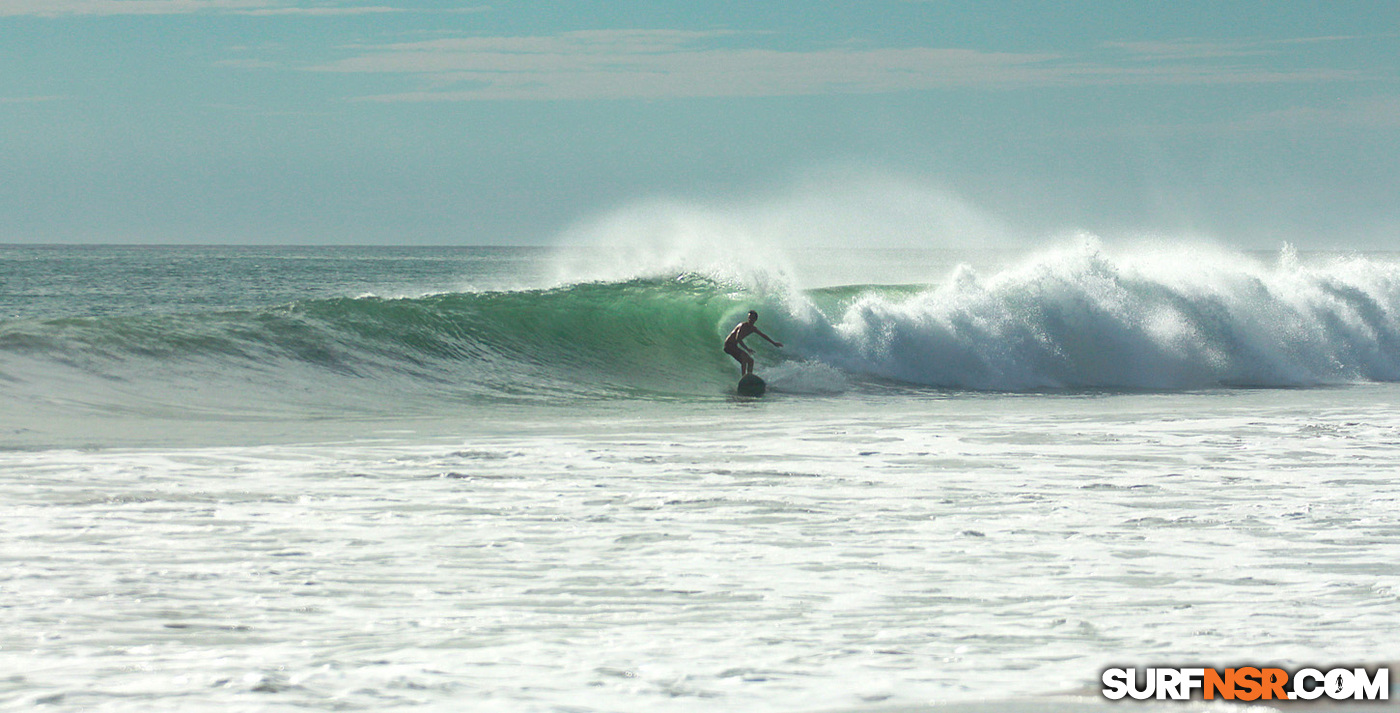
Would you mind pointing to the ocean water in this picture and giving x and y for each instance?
(517, 479)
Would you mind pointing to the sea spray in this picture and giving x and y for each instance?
(767, 239)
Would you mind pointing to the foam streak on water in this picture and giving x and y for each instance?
(790, 554)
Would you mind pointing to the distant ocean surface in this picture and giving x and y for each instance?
(518, 479)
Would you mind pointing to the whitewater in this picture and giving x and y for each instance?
(518, 479)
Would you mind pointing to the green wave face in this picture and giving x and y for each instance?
(658, 335)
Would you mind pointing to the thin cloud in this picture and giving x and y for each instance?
(616, 64)
(669, 63)
(1379, 112)
(33, 99)
(246, 64)
(88, 8)
(1194, 49)
(366, 10)
(1375, 113)
(1187, 49)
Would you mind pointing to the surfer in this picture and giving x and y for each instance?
(734, 343)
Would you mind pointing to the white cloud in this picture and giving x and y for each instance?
(33, 99)
(1194, 49)
(1378, 112)
(670, 63)
(360, 10)
(78, 8)
(1186, 49)
(246, 64)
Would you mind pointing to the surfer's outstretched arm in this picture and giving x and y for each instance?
(765, 336)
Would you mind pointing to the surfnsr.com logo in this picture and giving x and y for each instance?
(1247, 683)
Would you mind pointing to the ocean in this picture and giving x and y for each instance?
(518, 479)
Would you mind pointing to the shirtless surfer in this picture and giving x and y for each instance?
(734, 343)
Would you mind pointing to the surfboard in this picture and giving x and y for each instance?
(751, 385)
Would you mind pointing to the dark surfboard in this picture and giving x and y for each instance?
(751, 385)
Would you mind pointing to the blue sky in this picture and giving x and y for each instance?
(434, 122)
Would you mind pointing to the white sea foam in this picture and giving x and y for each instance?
(1083, 316)
(771, 555)
(807, 377)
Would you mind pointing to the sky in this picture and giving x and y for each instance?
(405, 122)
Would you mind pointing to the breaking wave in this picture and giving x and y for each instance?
(1073, 319)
